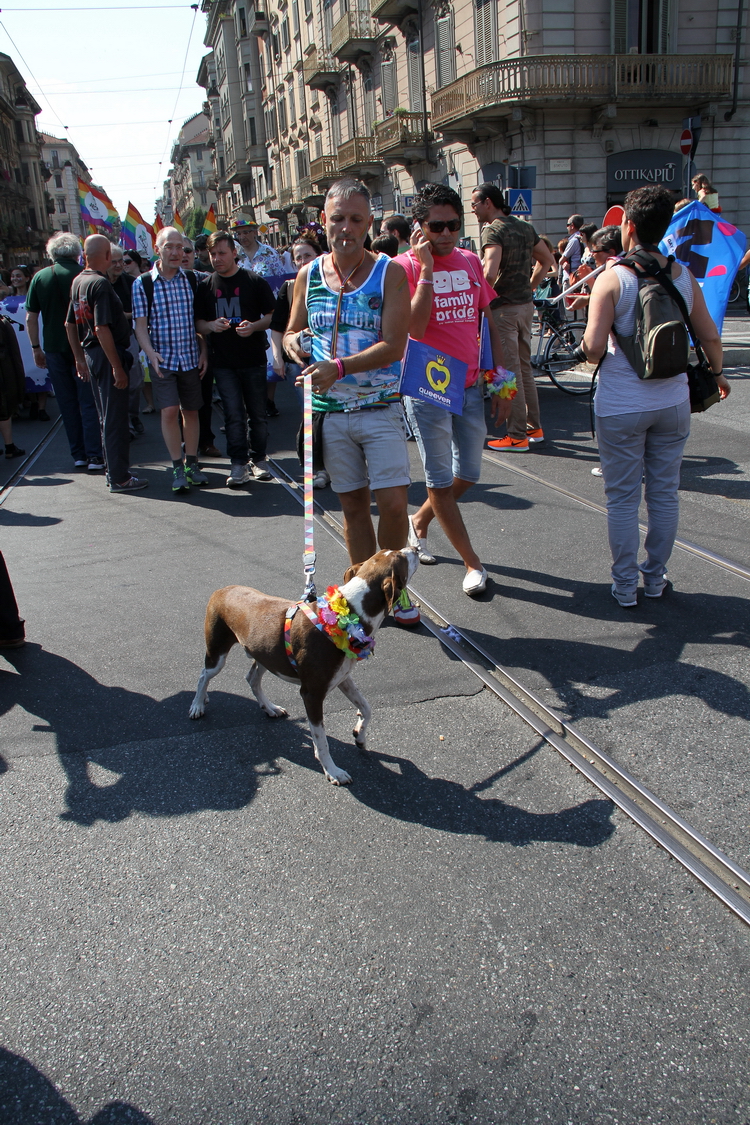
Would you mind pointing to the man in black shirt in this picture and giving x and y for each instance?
(122, 283)
(232, 311)
(99, 335)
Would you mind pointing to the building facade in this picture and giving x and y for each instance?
(62, 169)
(191, 177)
(24, 225)
(565, 103)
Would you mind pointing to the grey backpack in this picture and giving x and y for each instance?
(659, 346)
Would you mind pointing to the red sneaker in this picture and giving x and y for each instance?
(535, 435)
(509, 444)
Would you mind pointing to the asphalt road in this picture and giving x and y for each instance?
(197, 929)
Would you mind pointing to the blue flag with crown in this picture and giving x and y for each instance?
(433, 376)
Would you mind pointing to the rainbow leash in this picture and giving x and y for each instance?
(310, 594)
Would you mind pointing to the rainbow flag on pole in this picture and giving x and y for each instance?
(177, 222)
(209, 223)
(137, 234)
(158, 225)
(97, 208)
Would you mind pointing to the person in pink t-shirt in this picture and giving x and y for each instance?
(448, 291)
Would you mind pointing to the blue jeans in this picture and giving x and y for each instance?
(75, 400)
(450, 445)
(631, 445)
(243, 394)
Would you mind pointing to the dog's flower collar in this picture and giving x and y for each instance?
(336, 620)
(343, 626)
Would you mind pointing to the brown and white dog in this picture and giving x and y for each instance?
(241, 615)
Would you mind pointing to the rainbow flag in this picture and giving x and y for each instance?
(177, 222)
(158, 225)
(137, 234)
(209, 223)
(97, 208)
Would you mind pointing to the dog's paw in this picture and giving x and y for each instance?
(337, 776)
(275, 712)
(359, 739)
(197, 711)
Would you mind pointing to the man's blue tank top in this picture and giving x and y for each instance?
(359, 327)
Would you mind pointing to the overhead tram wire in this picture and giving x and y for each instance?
(32, 75)
(182, 81)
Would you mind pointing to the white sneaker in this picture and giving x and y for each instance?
(259, 471)
(475, 582)
(420, 546)
(239, 475)
(321, 479)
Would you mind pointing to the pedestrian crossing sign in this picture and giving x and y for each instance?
(520, 202)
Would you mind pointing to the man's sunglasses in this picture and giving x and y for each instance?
(438, 227)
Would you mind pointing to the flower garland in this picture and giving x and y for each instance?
(501, 382)
(342, 626)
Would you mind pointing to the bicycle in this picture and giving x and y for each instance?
(557, 340)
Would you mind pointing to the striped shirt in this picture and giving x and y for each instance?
(172, 323)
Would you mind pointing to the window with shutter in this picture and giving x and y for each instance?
(388, 85)
(414, 73)
(641, 26)
(619, 25)
(368, 89)
(445, 52)
(485, 31)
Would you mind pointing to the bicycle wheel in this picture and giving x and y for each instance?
(567, 373)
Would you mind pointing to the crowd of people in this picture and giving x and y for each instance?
(106, 335)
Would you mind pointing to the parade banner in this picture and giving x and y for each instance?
(137, 234)
(711, 248)
(97, 209)
(209, 223)
(486, 359)
(433, 376)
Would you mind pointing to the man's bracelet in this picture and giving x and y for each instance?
(425, 281)
(341, 369)
(35, 347)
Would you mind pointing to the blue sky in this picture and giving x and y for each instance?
(111, 73)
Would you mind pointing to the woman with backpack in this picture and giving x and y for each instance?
(643, 419)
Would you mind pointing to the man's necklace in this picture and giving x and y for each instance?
(344, 282)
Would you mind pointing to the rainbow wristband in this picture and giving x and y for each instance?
(340, 365)
(501, 382)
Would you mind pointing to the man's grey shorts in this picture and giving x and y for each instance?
(366, 448)
(177, 388)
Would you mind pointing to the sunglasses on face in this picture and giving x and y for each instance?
(127, 261)
(438, 227)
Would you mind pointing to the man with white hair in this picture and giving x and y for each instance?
(49, 294)
(99, 336)
(164, 322)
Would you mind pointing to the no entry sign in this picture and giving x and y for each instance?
(686, 142)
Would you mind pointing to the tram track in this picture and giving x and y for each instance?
(716, 871)
(29, 460)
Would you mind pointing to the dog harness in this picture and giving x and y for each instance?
(337, 621)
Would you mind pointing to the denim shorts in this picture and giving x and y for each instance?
(177, 388)
(366, 447)
(450, 445)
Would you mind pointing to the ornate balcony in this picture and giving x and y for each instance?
(360, 155)
(256, 156)
(392, 11)
(401, 139)
(544, 81)
(285, 198)
(320, 69)
(272, 208)
(300, 192)
(353, 35)
(324, 170)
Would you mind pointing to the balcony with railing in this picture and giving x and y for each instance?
(360, 155)
(320, 69)
(300, 192)
(393, 11)
(257, 22)
(551, 80)
(271, 206)
(353, 35)
(324, 170)
(401, 139)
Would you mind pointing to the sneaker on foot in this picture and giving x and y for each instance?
(509, 444)
(136, 424)
(656, 589)
(420, 546)
(272, 410)
(404, 613)
(12, 451)
(194, 475)
(475, 582)
(180, 483)
(535, 435)
(96, 465)
(81, 464)
(627, 601)
(321, 479)
(133, 484)
(260, 472)
(239, 475)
